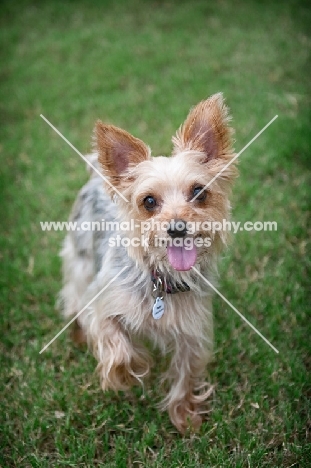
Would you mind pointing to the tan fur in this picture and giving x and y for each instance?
(120, 320)
(116, 148)
(77, 334)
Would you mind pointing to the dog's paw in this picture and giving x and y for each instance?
(185, 416)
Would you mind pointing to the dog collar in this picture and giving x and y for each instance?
(167, 285)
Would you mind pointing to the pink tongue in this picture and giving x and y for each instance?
(180, 258)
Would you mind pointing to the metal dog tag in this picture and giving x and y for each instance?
(158, 308)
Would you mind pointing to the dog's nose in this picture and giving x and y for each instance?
(177, 228)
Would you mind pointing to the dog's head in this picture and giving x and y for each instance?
(168, 198)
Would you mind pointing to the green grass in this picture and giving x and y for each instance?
(142, 65)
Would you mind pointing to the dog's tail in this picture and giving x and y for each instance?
(94, 164)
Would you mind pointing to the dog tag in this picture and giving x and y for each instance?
(158, 308)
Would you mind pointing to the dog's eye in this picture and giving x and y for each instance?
(201, 191)
(150, 203)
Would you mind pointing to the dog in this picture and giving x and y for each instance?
(135, 293)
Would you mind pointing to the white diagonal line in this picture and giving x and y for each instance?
(235, 157)
(236, 310)
(84, 158)
(82, 310)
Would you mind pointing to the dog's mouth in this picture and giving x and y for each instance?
(181, 258)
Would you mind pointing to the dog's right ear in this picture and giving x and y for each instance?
(118, 152)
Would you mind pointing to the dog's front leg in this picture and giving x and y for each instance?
(188, 389)
(121, 362)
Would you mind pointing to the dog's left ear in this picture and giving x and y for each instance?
(206, 130)
(118, 151)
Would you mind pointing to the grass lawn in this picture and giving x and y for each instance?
(141, 65)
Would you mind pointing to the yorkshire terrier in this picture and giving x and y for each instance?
(151, 292)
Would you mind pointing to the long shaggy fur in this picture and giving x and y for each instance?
(119, 322)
